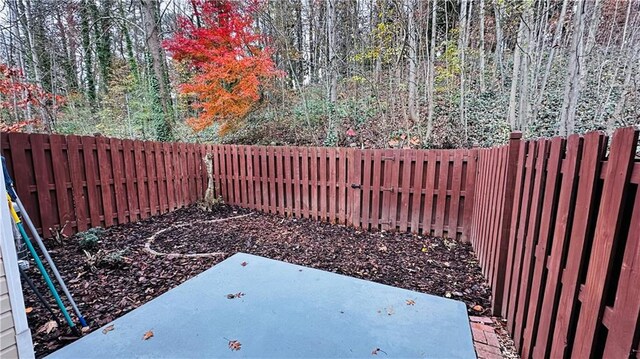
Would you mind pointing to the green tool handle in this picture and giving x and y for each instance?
(43, 271)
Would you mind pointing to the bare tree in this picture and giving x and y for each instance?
(483, 86)
(575, 69)
(412, 59)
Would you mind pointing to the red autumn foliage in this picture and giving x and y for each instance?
(16, 94)
(227, 60)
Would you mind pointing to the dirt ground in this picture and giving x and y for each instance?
(122, 275)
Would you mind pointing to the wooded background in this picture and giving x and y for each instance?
(371, 73)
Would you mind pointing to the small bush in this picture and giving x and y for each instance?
(102, 259)
(89, 239)
(115, 259)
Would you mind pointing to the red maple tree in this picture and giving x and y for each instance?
(226, 57)
(16, 94)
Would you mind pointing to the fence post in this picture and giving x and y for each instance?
(497, 287)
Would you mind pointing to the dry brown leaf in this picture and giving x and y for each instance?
(147, 335)
(411, 302)
(234, 345)
(109, 328)
(28, 310)
(233, 296)
(47, 327)
(244, 264)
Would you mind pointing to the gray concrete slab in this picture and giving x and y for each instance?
(288, 311)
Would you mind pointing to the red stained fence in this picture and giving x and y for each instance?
(555, 223)
(86, 182)
(560, 243)
(406, 190)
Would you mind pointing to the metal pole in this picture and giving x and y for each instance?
(39, 264)
(55, 271)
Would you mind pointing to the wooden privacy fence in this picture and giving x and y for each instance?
(560, 243)
(555, 223)
(86, 182)
(427, 191)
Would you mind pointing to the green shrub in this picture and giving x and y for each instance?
(89, 239)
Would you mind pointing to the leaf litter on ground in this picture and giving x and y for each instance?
(113, 292)
(147, 335)
(107, 329)
(234, 345)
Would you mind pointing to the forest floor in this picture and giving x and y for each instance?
(107, 289)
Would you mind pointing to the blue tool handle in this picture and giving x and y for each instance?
(8, 182)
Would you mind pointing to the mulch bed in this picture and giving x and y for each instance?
(107, 290)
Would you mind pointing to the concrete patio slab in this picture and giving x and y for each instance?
(284, 311)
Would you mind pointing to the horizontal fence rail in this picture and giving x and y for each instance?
(76, 183)
(407, 190)
(569, 284)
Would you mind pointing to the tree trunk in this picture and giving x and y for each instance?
(462, 44)
(87, 53)
(331, 50)
(483, 86)
(154, 45)
(413, 60)
(573, 80)
(498, 54)
(525, 65)
(517, 56)
(547, 71)
(432, 60)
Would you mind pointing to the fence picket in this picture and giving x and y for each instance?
(104, 168)
(61, 181)
(407, 189)
(594, 145)
(272, 179)
(366, 184)
(619, 167)
(417, 192)
(375, 191)
(42, 183)
(118, 180)
(539, 248)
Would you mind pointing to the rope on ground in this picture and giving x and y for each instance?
(150, 240)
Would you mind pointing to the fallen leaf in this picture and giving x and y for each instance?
(478, 308)
(47, 327)
(28, 310)
(85, 330)
(237, 295)
(108, 329)
(244, 264)
(147, 335)
(411, 302)
(424, 249)
(234, 345)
